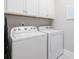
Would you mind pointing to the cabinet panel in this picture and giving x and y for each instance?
(31, 7)
(46, 8)
(51, 9)
(43, 8)
(36, 7)
(14, 5)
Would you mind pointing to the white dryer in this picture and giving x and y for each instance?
(28, 43)
(55, 41)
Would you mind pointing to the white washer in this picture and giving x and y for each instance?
(55, 41)
(28, 43)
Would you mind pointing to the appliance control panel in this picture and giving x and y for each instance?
(24, 29)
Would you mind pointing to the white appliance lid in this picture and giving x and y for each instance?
(26, 35)
(18, 33)
(48, 29)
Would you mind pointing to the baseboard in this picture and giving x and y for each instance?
(69, 53)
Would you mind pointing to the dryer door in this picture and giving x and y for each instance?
(56, 44)
(52, 46)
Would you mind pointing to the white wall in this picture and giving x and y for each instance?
(62, 23)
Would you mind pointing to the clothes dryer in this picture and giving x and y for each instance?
(55, 41)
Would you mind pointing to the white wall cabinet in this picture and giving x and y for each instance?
(31, 7)
(43, 8)
(47, 8)
(38, 8)
(51, 9)
(15, 5)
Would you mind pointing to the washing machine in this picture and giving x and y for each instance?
(28, 43)
(55, 41)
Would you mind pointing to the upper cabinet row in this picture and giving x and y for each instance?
(37, 8)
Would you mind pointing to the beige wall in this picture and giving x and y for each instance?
(14, 21)
(63, 23)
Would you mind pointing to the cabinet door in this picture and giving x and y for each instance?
(43, 8)
(55, 45)
(31, 7)
(51, 9)
(46, 8)
(36, 7)
(15, 5)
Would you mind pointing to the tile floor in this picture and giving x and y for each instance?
(65, 57)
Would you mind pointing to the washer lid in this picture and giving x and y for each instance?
(19, 33)
(22, 36)
(48, 29)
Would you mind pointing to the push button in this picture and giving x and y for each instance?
(19, 29)
(14, 29)
(25, 28)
